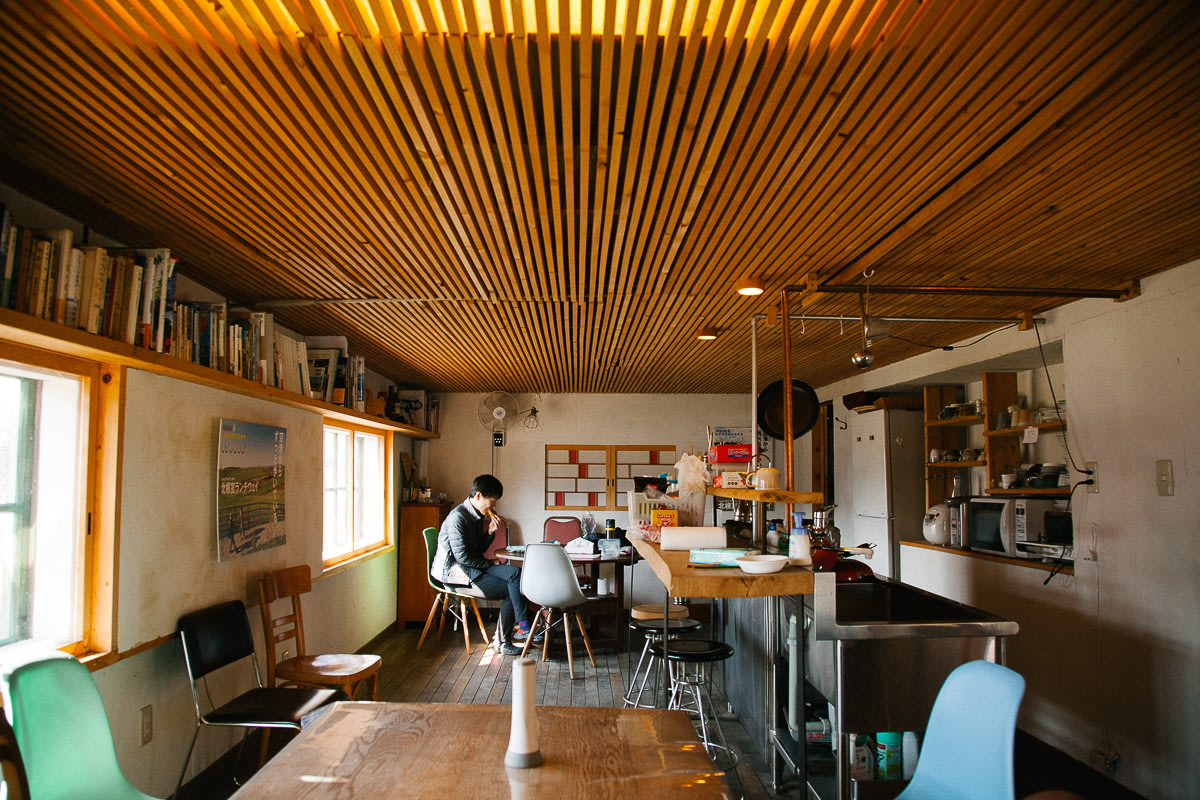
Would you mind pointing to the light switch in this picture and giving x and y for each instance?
(1164, 476)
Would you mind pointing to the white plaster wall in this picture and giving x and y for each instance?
(168, 565)
(1110, 655)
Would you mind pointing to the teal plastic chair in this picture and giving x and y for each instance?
(61, 728)
(967, 753)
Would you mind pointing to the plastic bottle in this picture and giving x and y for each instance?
(909, 750)
(772, 536)
(799, 548)
(889, 764)
(861, 762)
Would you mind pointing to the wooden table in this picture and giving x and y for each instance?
(449, 751)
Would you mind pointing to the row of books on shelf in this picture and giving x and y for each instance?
(121, 293)
(246, 344)
(128, 294)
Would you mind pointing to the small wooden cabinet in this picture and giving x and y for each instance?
(414, 596)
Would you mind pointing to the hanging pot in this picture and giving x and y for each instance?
(805, 409)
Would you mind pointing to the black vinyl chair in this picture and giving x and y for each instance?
(220, 636)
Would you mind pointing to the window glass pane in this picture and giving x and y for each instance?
(356, 497)
(337, 540)
(369, 469)
(41, 512)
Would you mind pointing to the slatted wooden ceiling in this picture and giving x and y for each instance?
(544, 197)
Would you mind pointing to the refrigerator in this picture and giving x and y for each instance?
(888, 494)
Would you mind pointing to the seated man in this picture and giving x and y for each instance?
(460, 560)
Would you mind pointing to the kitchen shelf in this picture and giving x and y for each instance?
(1018, 431)
(952, 422)
(41, 334)
(1056, 491)
(954, 464)
(769, 495)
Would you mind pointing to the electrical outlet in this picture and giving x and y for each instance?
(147, 717)
(1090, 466)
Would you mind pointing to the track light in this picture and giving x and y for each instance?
(750, 287)
(707, 334)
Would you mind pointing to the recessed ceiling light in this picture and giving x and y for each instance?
(751, 286)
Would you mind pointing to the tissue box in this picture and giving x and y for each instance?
(733, 480)
(664, 516)
(718, 556)
(728, 453)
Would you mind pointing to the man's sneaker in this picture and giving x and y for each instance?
(507, 648)
(521, 633)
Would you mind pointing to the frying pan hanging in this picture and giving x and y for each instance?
(805, 408)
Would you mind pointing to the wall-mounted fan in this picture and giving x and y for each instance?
(498, 412)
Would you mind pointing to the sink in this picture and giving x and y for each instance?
(881, 608)
(878, 650)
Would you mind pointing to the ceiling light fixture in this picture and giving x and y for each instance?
(750, 287)
(707, 334)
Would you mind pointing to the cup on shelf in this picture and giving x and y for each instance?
(1008, 480)
(1003, 420)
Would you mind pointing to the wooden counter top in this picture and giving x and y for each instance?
(671, 567)
(769, 496)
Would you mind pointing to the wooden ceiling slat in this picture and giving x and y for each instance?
(560, 211)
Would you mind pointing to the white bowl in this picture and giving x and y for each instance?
(762, 564)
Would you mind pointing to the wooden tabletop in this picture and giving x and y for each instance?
(450, 751)
(671, 567)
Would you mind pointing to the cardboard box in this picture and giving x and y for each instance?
(664, 516)
(729, 453)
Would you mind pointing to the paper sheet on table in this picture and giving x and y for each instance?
(686, 538)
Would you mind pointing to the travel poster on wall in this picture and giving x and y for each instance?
(250, 498)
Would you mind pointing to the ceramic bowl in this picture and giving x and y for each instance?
(762, 564)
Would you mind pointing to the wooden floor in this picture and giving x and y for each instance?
(443, 672)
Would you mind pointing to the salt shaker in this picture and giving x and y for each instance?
(523, 750)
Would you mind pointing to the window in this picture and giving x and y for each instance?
(581, 477)
(356, 491)
(45, 434)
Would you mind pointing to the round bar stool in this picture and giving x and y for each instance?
(655, 611)
(652, 629)
(689, 667)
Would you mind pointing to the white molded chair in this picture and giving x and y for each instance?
(967, 753)
(548, 579)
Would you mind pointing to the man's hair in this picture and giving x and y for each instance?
(488, 486)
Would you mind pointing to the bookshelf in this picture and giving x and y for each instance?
(43, 334)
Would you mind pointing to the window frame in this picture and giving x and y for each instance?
(388, 510)
(101, 386)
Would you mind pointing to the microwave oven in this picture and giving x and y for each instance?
(1005, 525)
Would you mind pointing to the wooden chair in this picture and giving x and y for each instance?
(345, 671)
(446, 596)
